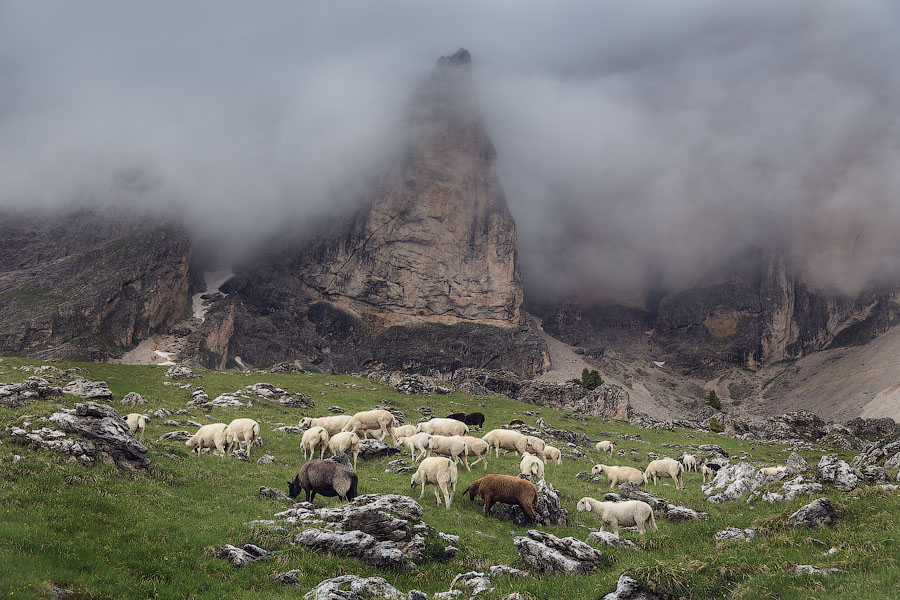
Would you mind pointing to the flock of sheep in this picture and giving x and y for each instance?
(449, 440)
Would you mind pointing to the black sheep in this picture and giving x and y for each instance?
(475, 418)
(458, 416)
(325, 477)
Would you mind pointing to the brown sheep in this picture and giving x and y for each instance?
(506, 489)
(325, 477)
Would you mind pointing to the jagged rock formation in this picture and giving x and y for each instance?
(423, 277)
(88, 284)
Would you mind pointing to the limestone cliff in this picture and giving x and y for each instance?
(423, 276)
(88, 284)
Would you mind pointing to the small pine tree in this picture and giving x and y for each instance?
(713, 400)
(715, 426)
(590, 379)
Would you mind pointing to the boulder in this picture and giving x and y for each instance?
(796, 464)
(715, 449)
(629, 589)
(815, 514)
(737, 480)
(608, 538)
(176, 436)
(791, 489)
(733, 533)
(88, 388)
(267, 492)
(242, 556)
(132, 399)
(13, 395)
(351, 587)
(265, 459)
(503, 570)
(813, 570)
(104, 428)
(369, 449)
(549, 510)
(874, 474)
(181, 372)
(473, 582)
(881, 453)
(838, 473)
(547, 553)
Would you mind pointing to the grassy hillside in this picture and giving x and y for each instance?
(115, 535)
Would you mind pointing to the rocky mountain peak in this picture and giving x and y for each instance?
(460, 57)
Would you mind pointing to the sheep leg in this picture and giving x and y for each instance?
(528, 511)
(488, 505)
(437, 496)
(448, 499)
(423, 490)
(614, 525)
(321, 454)
(355, 454)
(384, 433)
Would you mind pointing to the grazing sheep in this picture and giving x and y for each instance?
(769, 471)
(417, 442)
(506, 439)
(136, 423)
(345, 442)
(605, 446)
(475, 419)
(618, 475)
(461, 417)
(443, 427)
(626, 514)
(709, 470)
(506, 489)
(532, 465)
(476, 447)
(402, 431)
(665, 467)
(535, 444)
(242, 430)
(552, 453)
(325, 477)
(378, 419)
(440, 472)
(212, 436)
(314, 439)
(334, 424)
(690, 462)
(451, 447)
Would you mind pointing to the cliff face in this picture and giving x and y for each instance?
(84, 284)
(756, 313)
(424, 275)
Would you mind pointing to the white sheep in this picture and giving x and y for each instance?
(334, 424)
(416, 443)
(212, 436)
(440, 472)
(506, 439)
(315, 438)
(476, 447)
(402, 431)
(136, 423)
(345, 442)
(531, 465)
(552, 453)
(378, 419)
(690, 462)
(242, 430)
(769, 471)
(615, 514)
(665, 467)
(708, 471)
(619, 475)
(451, 447)
(444, 427)
(605, 446)
(535, 445)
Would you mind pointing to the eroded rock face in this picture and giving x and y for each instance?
(838, 473)
(606, 401)
(14, 395)
(884, 452)
(815, 514)
(547, 553)
(106, 430)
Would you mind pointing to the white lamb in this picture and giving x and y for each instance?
(532, 465)
(315, 438)
(444, 427)
(552, 453)
(605, 446)
(213, 436)
(402, 431)
(615, 514)
(451, 447)
(417, 443)
(535, 444)
(440, 472)
(136, 423)
(377, 419)
(665, 467)
(690, 462)
(242, 430)
(476, 447)
(619, 475)
(507, 439)
(334, 424)
(345, 442)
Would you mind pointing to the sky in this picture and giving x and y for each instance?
(640, 144)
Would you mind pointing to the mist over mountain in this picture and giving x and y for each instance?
(639, 146)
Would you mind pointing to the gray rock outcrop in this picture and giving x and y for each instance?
(838, 473)
(101, 425)
(351, 587)
(815, 514)
(629, 589)
(606, 401)
(547, 553)
(733, 533)
(13, 395)
(88, 388)
(608, 538)
(132, 399)
(796, 465)
(671, 512)
(738, 479)
(242, 556)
